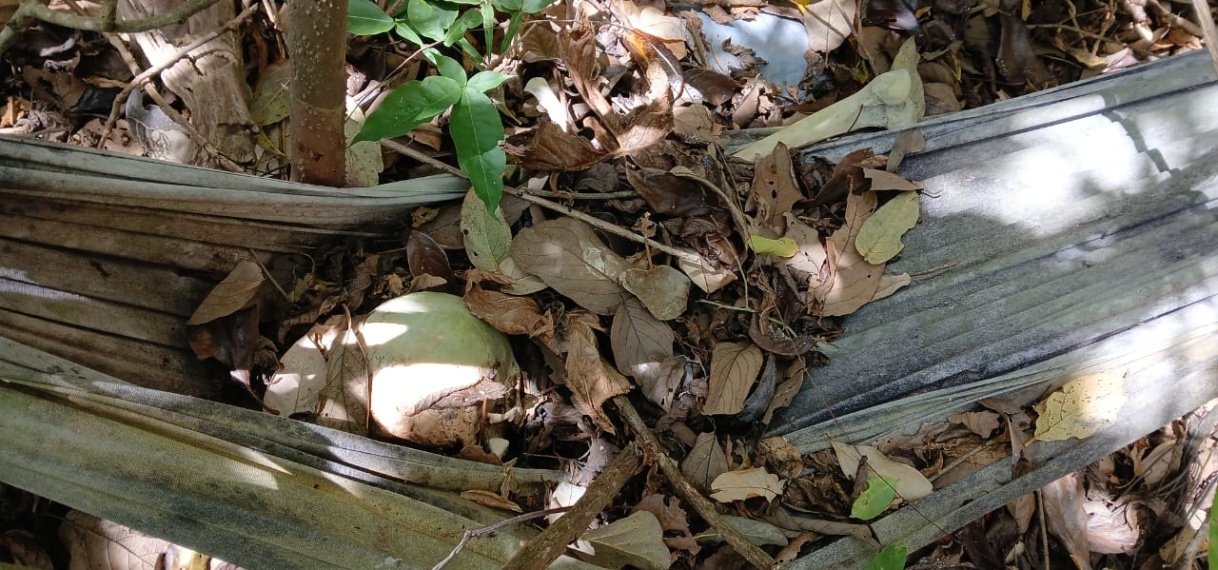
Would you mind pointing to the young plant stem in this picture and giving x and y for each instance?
(317, 44)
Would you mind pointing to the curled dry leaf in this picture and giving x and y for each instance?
(568, 256)
(885, 180)
(507, 313)
(673, 521)
(592, 381)
(854, 281)
(234, 293)
(549, 148)
(744, 484)
(734, 369)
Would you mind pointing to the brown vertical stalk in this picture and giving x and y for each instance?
(317, 46)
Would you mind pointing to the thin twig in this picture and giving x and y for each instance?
(684, 489)
(488, 529)
(544, 548)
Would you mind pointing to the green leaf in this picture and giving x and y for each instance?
(476, 130)
(484, 81)
(874, 500)
(892, 557)
(535, 6)
(365, 18)
(508, 6)
(488, 25)
(410, 105)
(450, 68)
(879, 240)
(429, 18)
(470, 19)
(475, 124)
(403, 29)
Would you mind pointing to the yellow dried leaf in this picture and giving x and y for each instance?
(880, 237)
(1081, 407)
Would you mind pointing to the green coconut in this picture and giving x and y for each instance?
(433, 365)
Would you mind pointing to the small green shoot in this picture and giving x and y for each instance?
(874, 500)
(474, 124)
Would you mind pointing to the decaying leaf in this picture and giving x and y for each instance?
(705, 462)
(673, 521)
(637, 540)
(301, 377)
(425, 257)
(885, 180)
(234, 293)
(981, 423)
(662, 289)
(492, 500)
(344, 402)
(744, 484)
(642, 349)
(507, 313)
(1081, 407)
(592, 380)
(774, 190)
(734, 369)
(879, 239)
(854, 281)
(568, 256)
(486, 235)
(910, 483)
(99, 543)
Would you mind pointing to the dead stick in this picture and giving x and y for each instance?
(703, 506)
(544, 548)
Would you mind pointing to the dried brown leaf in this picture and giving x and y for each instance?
(234, 293)
(774, 190)
(642, 347)
(907, 143)
(425, 257)
(672, 519)
(854, 281)
(344, 402)
(507, 313)
(1066, 518)
(568, 256)
(668, 193)
(592, 380)
(548, 148)
(705, 462)
(662, 289)
(983, 424)
(734, 369)
(744, 484)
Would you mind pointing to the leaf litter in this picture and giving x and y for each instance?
(625, 95)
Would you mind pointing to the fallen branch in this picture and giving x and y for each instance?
(31, 10)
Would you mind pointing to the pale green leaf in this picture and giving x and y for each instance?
(534, 6)
(403, 29)
(450, 68)
(484, 81)
(365, 18)
(880, 237)
(430, 18)
(874, 500)
(892, 557)
(782, 247)
(486, 235)
(409, 106)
